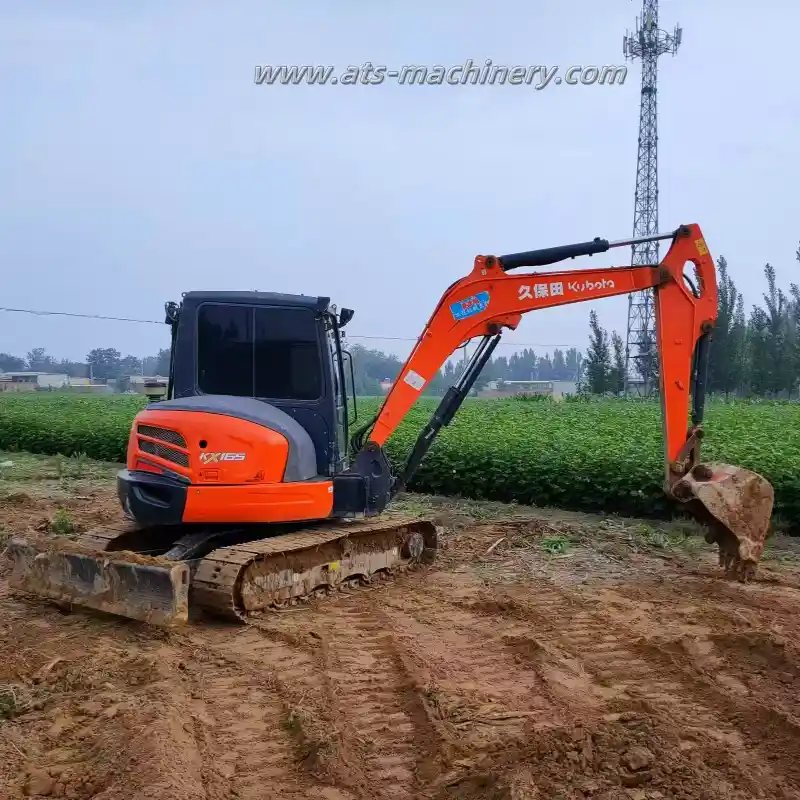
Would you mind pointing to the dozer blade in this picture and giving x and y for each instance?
(126, 584)
(736, 505)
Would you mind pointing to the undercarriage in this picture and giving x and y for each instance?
(228, 572)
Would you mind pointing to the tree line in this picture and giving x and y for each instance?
(371, 367)
(755, 354)
(102, 364)
(752, 355)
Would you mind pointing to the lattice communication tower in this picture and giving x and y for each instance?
(647, 43)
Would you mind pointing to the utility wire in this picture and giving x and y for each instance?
(161, 322)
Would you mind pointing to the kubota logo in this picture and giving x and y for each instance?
(215, 458)
(590, 286)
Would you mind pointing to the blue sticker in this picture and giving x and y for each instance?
(470, 306)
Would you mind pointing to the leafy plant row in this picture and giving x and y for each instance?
(605, 455)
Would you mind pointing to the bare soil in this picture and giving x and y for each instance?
(545, 655)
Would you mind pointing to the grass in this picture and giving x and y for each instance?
(13, 702)
(19, 467)
(62, 524)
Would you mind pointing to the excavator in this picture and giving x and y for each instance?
(247, 487)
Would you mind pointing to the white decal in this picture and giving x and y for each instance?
(414, 380)
(215, 458)
(540, 290)
(590, 286)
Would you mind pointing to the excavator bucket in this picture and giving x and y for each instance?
(736, 506)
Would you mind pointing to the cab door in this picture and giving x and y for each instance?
(339, 401)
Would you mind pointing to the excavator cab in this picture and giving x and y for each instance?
(282, 350)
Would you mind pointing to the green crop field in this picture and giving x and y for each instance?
(594, 455)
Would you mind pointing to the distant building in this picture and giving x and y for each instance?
(555, 389)
(48, 381)
(31, 381)
(138, 383)
(636, 387)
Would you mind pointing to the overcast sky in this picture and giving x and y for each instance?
(138, 159)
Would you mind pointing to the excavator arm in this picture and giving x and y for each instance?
(735, 504)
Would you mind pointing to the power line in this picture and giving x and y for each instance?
(36, 313)
(71, 314)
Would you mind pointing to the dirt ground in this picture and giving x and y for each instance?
(545, 655)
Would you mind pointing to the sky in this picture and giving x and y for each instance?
(139, 159)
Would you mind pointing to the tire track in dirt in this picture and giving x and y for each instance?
(717, 600)
(760, 738)
(387, 722)
(484, 697)
(621, 672)
(242, 718)
(735, 663)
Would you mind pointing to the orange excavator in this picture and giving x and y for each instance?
(246, 490)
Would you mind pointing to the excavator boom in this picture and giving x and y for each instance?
(490, 299)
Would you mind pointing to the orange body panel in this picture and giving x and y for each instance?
(259, 502)
(265, 452)
(236, 477)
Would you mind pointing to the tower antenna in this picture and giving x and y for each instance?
(647, 42)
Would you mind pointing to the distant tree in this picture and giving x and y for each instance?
(9, 363)
(104, 362)
(598, 357)
(437, 385)
(371, 367)
(500, 368)
(75, 369)
(738, 347)
(781, 335)
(645, 361)
(158, 364)
(616, 375)
(758, 349)
(129, 365)
(162, 362)
(39, 361)
(560, 371)
(725, 364)
(523, 366)
(545, 369)
(574, 364)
